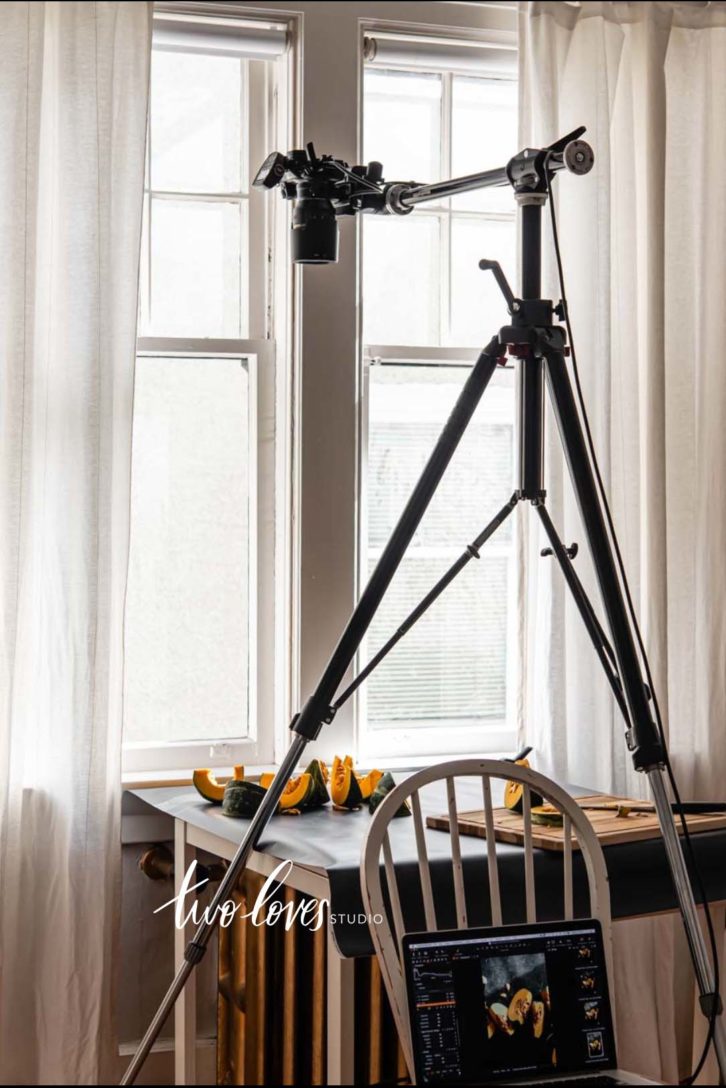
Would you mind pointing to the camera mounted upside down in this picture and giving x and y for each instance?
(324, 188)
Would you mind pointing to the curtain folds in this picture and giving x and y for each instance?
(73, 104)
(643, 246)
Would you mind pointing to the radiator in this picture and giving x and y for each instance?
(271, 1005)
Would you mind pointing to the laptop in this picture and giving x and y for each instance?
(525, 1004)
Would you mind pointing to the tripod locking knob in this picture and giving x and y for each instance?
(570, 552)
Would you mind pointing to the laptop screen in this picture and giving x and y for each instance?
(509, 1002)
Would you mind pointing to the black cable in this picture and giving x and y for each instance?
(713, 1013)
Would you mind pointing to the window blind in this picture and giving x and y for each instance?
(498, 61)
(223, 37)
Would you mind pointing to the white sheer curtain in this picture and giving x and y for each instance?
(73, 102)
(644, 248)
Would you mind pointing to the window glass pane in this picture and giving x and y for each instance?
(478, 309)
(196, 260)
(402, 124)
(408, 406)
(401, 280)
(483, 136)
(187, 610)
(453, 666)
(197, 111)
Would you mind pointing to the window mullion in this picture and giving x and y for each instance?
(446, 156)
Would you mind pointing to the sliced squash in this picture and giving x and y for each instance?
(520, 1005)
(242, 797)
(538, 1018)
(514, 791)
(498, 1016)
(368, 782)
(296, 792)
(207, 785)
(299, 793)
(344, 789)
(383, 787)
(320, 776)
(547, 816)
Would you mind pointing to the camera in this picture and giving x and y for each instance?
(321, 189)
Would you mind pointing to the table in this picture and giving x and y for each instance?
(324, 848)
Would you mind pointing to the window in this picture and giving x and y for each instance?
(201, 573)
(427, 310)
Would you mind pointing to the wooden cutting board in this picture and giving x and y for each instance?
(610, 828)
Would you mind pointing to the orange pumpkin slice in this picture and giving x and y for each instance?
(208, 785)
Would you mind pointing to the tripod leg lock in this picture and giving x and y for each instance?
(194, 953)
(711, 1005)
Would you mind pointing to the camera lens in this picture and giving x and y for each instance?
(314, 228)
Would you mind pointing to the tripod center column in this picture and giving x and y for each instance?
(531, 371)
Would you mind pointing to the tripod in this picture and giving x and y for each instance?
(539, 347)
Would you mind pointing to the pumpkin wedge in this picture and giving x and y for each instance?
(242, 797)
(299, 793)
(498, 1016)
(538, 1018)
(320, 777)
(207, 785)
(344, 789)
(514, 792)
(519, 1006)
(368, 783)
(547, 816)
(383, 787)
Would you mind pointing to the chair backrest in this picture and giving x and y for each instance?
(386, 917)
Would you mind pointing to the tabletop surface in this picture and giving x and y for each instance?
(331, 842)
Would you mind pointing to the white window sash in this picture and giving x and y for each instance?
(259, 746)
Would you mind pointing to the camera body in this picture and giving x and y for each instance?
(321, 190)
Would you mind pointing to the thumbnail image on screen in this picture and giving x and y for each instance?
(519, 1018)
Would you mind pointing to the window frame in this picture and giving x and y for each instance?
(269, 108)
(446, 737)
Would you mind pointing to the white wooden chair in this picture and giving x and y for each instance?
(387, 938)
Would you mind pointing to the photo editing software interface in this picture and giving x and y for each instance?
(509, 1005)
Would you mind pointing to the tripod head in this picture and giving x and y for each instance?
(323, 188)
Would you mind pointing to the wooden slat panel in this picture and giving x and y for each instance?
(528, 855)
(256, 982)
(423, 863)
(317, 998)
(375, 1024)
(289, 994)
(495, 902)
(456, 866)
(378, 1057)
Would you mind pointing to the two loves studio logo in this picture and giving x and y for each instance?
(268, 909)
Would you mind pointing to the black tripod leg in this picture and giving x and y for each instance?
(472, 552)
(643, 739)
(593, 627)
